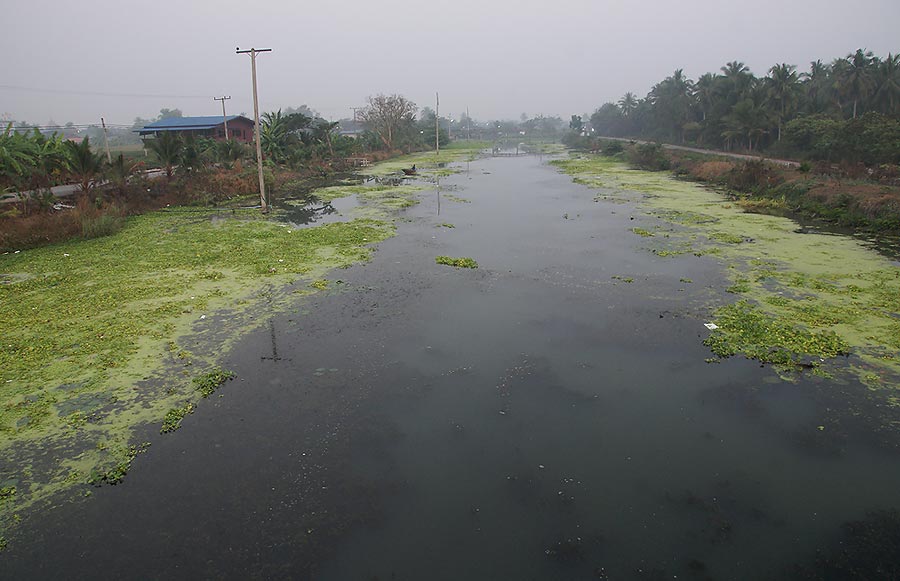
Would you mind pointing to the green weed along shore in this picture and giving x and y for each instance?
(429, 162)
(96, 332)
(90, 327)
(831, 290)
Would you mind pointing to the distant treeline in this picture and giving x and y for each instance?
(846, 110)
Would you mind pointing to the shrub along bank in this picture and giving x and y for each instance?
(850, 195)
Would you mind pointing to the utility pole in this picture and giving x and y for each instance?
(224, 118)
(437, 123)
(106, 139)
(468, 125)
(262, 184)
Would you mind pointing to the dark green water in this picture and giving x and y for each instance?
(535, 418)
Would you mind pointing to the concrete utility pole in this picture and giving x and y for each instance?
(224, 117)
(437, 123)
(262, 184)
(468, 124)
(106, 139)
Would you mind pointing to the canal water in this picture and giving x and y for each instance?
(549, 415)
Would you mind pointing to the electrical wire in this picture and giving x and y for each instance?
(99, 94)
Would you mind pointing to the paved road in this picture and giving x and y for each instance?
(69, 189)
(784, 162)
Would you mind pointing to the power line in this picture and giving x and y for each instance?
(98, 93)
(29, 127)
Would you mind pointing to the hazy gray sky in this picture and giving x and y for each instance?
(499, 58)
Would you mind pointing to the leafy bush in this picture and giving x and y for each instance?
(751, 176)
(611, 148)
(870, 139)
(648, 156)
(97, 221)
(576, 141)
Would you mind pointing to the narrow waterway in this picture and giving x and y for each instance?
(549, 415)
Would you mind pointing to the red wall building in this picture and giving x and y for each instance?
(212, 127)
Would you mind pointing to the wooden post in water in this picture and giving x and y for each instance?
(437, 123)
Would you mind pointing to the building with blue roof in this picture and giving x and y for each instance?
(211, 127)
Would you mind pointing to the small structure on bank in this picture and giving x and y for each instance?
(212, 127)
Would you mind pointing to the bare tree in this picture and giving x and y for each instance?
(387, 114)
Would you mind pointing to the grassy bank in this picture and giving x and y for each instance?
(852, 196)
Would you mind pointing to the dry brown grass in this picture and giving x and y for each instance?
(871, 200)
(712, 171)
(17, 233)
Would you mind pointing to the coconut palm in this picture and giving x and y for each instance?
(323, 134)
(230, 153)
(274, 135)
(84, 165)
(856, 78)
(628, 103)
(783, 88)
(817, 85)
(705, 92)
(886, 94)
(167, 148)
(671, 99)
(739, 81)
(120, 170)
(195, 153)
(747, 118)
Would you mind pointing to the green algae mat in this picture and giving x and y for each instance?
(94, 333)
(804, 302)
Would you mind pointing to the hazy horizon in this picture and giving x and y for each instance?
(78, 62)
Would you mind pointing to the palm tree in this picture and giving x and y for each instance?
(273, 135)
(167, 148)
(783, 89)
(887, 85)
(85, 165)
(739, 80)
(746, 118)
(671, 99)
(704, 93)
(323, 132)
(628, 103)
(230, 153)
(817, 85)
(857, 79)
(120, 170)
(195, 153)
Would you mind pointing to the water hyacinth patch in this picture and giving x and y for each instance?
(457, 262)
